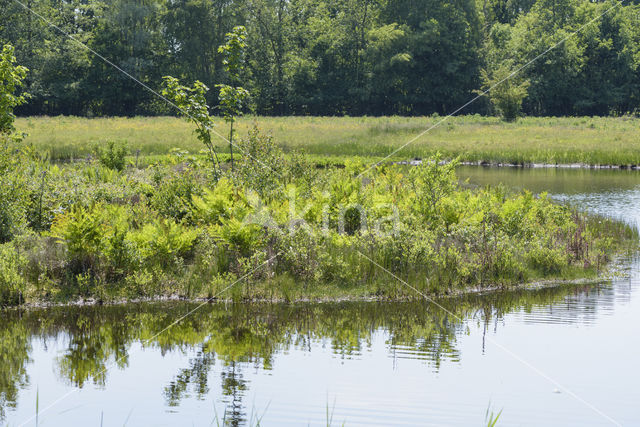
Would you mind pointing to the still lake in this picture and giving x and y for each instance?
(561, 356)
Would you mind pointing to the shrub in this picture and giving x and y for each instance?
(11, 79)
(507, 264)
(219, 204)
(547, 260)
(238, 236)
(120, 251)
(165, 243)
(431, 182)
(262, 166)
(113, 156)
(506, 93)
(12, 280)
(13, 190)
(173, 197)
(298, 251)
(82, 230)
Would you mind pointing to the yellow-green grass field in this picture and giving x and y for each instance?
(589, 140)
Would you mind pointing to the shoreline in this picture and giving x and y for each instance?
(530, 165)
(489, 290)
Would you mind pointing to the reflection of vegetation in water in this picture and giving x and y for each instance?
(14, 354)
(195, 377)
(92, 346)
(233, 386)
(240, 335)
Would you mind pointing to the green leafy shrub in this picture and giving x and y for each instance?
(262, 166)
(298, 251)
(82, 229)
(508, 265)
(13, 189)
(220, 203)
(173, 196)
(239, 236)
(165, 243)
(11, 79)
(113, 156)
(430, 182)
(121, 254)
(507, 90)
(12, 279)
(46, 260)
(547, 260)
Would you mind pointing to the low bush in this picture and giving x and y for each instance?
(113, 156)
(12, 278)
(83, 232)
(173, 197)
(164, 243)
(548, 261)
(13, 189)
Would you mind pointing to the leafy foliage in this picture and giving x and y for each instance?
(165, 242)
(506, 91)
(169, 228)
(329, 57)
(14, 161)
(82, 230)
(193, 106)
(113, 156)
(12, 279)
(11, 79)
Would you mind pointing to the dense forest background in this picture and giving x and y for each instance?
(329, 57)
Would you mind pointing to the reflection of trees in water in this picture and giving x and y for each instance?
(14, 354)
(194, 378)
(233, 386)
(240, 335)
(90, 348)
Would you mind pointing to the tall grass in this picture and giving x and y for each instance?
(589, 140)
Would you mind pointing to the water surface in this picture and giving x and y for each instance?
(562, 356)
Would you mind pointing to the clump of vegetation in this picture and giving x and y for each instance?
(12, 155)
(192, 105)
(169, 229)
(113, 155)
(506, 90)
(12, 279)
(13, 186)
(11, 79)
(105, 230)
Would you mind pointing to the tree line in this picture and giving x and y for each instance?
(331, 57)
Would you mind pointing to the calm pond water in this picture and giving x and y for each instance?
(563, 356)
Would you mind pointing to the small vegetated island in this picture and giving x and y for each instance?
(277, 228)
(259, 223)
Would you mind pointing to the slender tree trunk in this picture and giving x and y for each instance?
(231, 143)
(214, 160)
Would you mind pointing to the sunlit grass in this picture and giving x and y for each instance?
(597, 140)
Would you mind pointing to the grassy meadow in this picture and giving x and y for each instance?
(589, 140)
